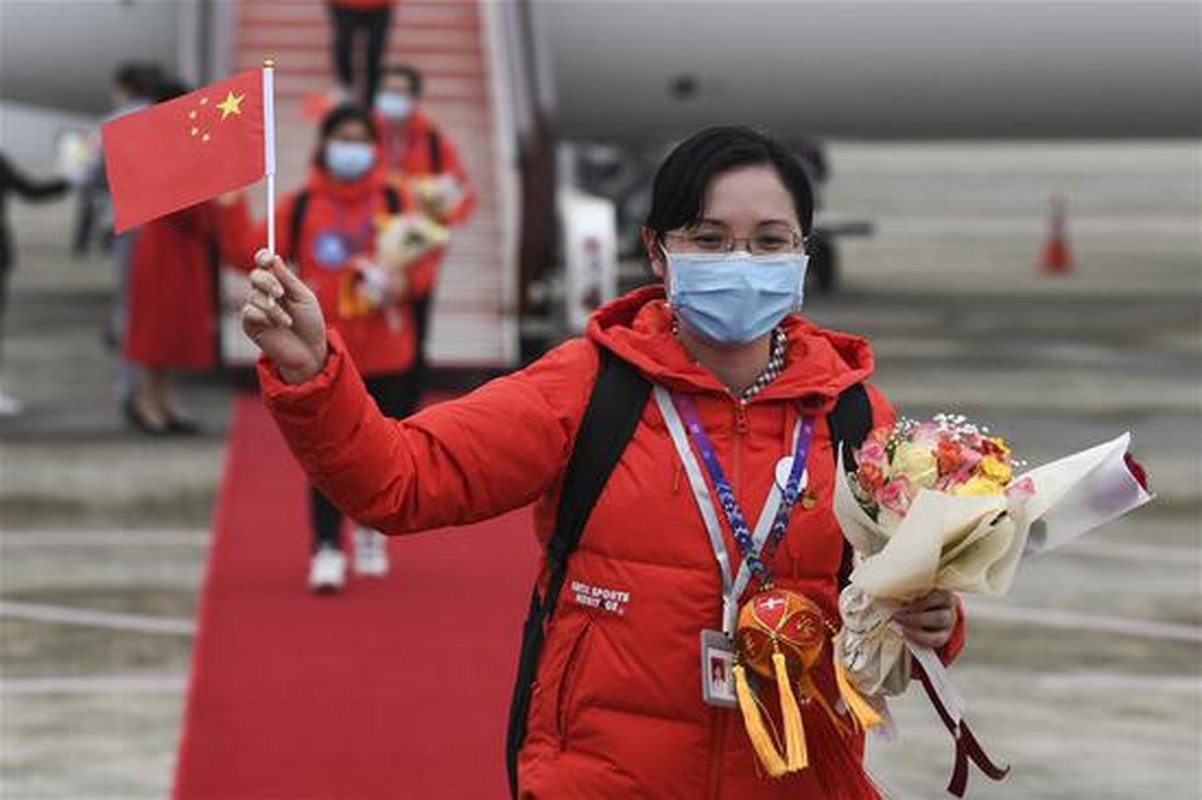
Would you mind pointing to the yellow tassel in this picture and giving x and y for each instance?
(865, 714)
(795, 736)
(761, 740)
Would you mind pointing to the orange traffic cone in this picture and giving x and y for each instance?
(1057, 259)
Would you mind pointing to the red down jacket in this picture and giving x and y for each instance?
(616, 710)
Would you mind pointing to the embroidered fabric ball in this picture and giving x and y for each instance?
(778, 619)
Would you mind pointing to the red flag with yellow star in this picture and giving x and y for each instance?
(184, 151)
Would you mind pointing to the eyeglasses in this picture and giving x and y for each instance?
(776, 240)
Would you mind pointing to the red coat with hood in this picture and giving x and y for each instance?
(338, 227)
(616, 710)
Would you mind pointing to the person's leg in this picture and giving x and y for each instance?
(327, 521)
(327, 567)
(343, 21)
(9, 405)
(421, 324)
(377, 22)
(396, 396)
(127, 373)
(149, 412)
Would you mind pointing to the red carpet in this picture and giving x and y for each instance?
(398, 687)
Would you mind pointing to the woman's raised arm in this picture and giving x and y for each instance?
(461, 461)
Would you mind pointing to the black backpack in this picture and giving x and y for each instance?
(392, 198)
(613, 412)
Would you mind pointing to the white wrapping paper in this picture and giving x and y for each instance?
(965, 544)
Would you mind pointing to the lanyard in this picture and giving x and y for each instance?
(356, 238)
(757, 546)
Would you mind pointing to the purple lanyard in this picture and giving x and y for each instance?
(726, 495)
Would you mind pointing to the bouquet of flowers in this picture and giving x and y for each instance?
(936, 505)
(373, 285)
(439, 194)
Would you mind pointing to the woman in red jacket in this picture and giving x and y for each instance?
(617, 708)
(329, 231)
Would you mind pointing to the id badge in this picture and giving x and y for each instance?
(717, 670)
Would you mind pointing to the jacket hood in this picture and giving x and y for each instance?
(819, 363)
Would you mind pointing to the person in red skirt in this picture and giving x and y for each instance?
(329, 231)
(171, 323)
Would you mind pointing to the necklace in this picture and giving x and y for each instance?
(771, 371)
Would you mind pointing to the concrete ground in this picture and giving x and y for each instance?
(1087, 678)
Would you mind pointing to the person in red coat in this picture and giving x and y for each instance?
(328, 230)
(419, 153)
(617, 707)
(172, 319)
(352, 18)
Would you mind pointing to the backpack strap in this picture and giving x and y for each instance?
(300, 204)
(613, 412)
(849, 424)
(434, 147)
(393, 199)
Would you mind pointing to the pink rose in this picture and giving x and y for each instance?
(873, 452)
(895, 495)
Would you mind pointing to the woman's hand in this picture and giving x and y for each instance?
(282, 316)
(929, 620)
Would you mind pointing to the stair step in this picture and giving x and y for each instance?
(462, 15)
(310, 37)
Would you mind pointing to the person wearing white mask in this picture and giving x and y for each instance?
(733, 407)
(419, 154)
(328, 231)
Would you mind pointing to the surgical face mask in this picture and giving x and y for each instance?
(735, 298)
(394, 105)
(349, 161)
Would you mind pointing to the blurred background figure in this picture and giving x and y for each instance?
(12, 181)
(171, 319)
(416, 150)
(328, 230)
(354, 21)
(135, 85)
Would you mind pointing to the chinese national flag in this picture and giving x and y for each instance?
(187, 150)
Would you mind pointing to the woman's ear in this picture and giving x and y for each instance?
(655, 253)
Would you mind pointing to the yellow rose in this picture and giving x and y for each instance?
(996, 470)
(917, 463)
(978, 486)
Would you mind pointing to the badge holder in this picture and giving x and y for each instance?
(717, 670)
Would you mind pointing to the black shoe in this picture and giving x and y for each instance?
(134, 417)
(181, 426)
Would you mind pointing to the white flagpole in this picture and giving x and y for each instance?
(269, 147)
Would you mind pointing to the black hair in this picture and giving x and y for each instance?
(678, 193)
(169, 89)
(335, 118)
(139, 79)
(408, 71)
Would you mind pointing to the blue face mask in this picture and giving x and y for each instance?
(394, 105)
(735, 298)
(349, 161)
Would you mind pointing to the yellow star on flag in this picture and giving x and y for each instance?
(231, 104)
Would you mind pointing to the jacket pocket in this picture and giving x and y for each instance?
(565, 705)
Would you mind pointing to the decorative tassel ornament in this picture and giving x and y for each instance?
(795, 736)
(779, 632)
(757, 732)
(864, 714)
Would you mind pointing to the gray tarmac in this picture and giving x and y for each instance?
(1087, 678)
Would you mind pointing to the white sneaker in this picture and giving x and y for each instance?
(10, 406)
(327, 570)
(371, 552)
